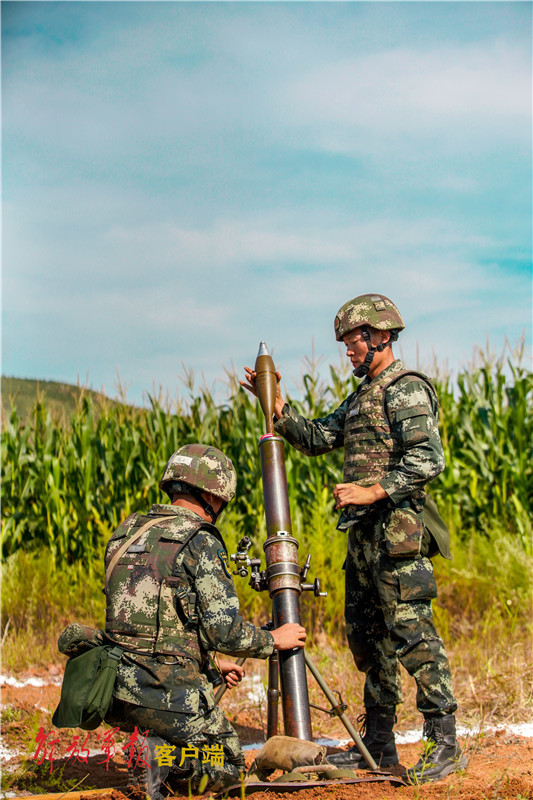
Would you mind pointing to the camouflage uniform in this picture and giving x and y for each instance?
(388, 427)
(169, 604)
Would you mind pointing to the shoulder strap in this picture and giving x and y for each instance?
(184, 543)
(405, 372)
(203, 527)
(143, 528)
(128, 543)
(402, 374)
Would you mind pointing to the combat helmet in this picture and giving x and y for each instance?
(374, 310)
(369, 311)
(197, 468)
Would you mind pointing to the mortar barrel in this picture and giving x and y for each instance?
(283, 578)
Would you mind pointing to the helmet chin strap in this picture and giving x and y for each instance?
(361, 371)
(207, 507)
(179, 487)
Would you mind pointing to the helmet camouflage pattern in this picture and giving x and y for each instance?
(203, 467)
(374, 310)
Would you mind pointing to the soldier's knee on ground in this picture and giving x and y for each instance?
(216, 761)
(217, 781)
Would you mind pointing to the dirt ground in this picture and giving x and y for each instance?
(500, 764)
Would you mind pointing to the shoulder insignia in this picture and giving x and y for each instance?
(224, 559)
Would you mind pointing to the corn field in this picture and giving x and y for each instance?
(66, 486)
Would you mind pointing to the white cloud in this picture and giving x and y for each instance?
(419, 92)
(232, 253)
(227, 243)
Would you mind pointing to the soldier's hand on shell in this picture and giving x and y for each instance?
(233, 673)
(249, 384)
(249, 380)
(289, 636)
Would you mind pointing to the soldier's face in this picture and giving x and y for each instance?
(356, 348)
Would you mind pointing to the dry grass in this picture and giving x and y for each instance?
(493, 685)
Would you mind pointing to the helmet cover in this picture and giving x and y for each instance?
(374, 310)
(203, 467)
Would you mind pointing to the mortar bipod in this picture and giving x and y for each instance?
(259, 582)
(273, 696)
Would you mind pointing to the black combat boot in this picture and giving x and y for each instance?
(145, 771)
(443, 753)
(180, 775)
(378, 738)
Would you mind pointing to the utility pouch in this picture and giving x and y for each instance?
(403, 533)
(87, 688)
(438, 533)
(191, 607)
(186, 601)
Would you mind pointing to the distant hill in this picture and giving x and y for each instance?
(60, 398)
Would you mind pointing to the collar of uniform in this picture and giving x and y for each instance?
(163, 510)
(396, 366)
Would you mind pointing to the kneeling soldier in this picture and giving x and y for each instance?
(170, 600)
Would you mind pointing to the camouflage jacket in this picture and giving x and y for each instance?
(417, 458)
(165, 679)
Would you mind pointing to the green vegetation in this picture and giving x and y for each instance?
(67, 485)
(487, 433)
(39, 600)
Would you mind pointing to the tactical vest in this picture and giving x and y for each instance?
(150, 605)
(370, 449)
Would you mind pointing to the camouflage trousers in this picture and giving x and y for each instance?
(207, 740)
(389, 621)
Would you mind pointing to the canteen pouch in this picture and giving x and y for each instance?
(87, 688)
(403, 533)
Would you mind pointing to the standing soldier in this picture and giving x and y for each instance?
(389, 430)
(170, 600)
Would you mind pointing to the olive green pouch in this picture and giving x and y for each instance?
(439, 533)
(403, 533)
(87, 688)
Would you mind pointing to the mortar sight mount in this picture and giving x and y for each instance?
(259, 579)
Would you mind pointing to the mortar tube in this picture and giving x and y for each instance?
(283, 579)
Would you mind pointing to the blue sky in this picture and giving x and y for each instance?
(182, 180)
